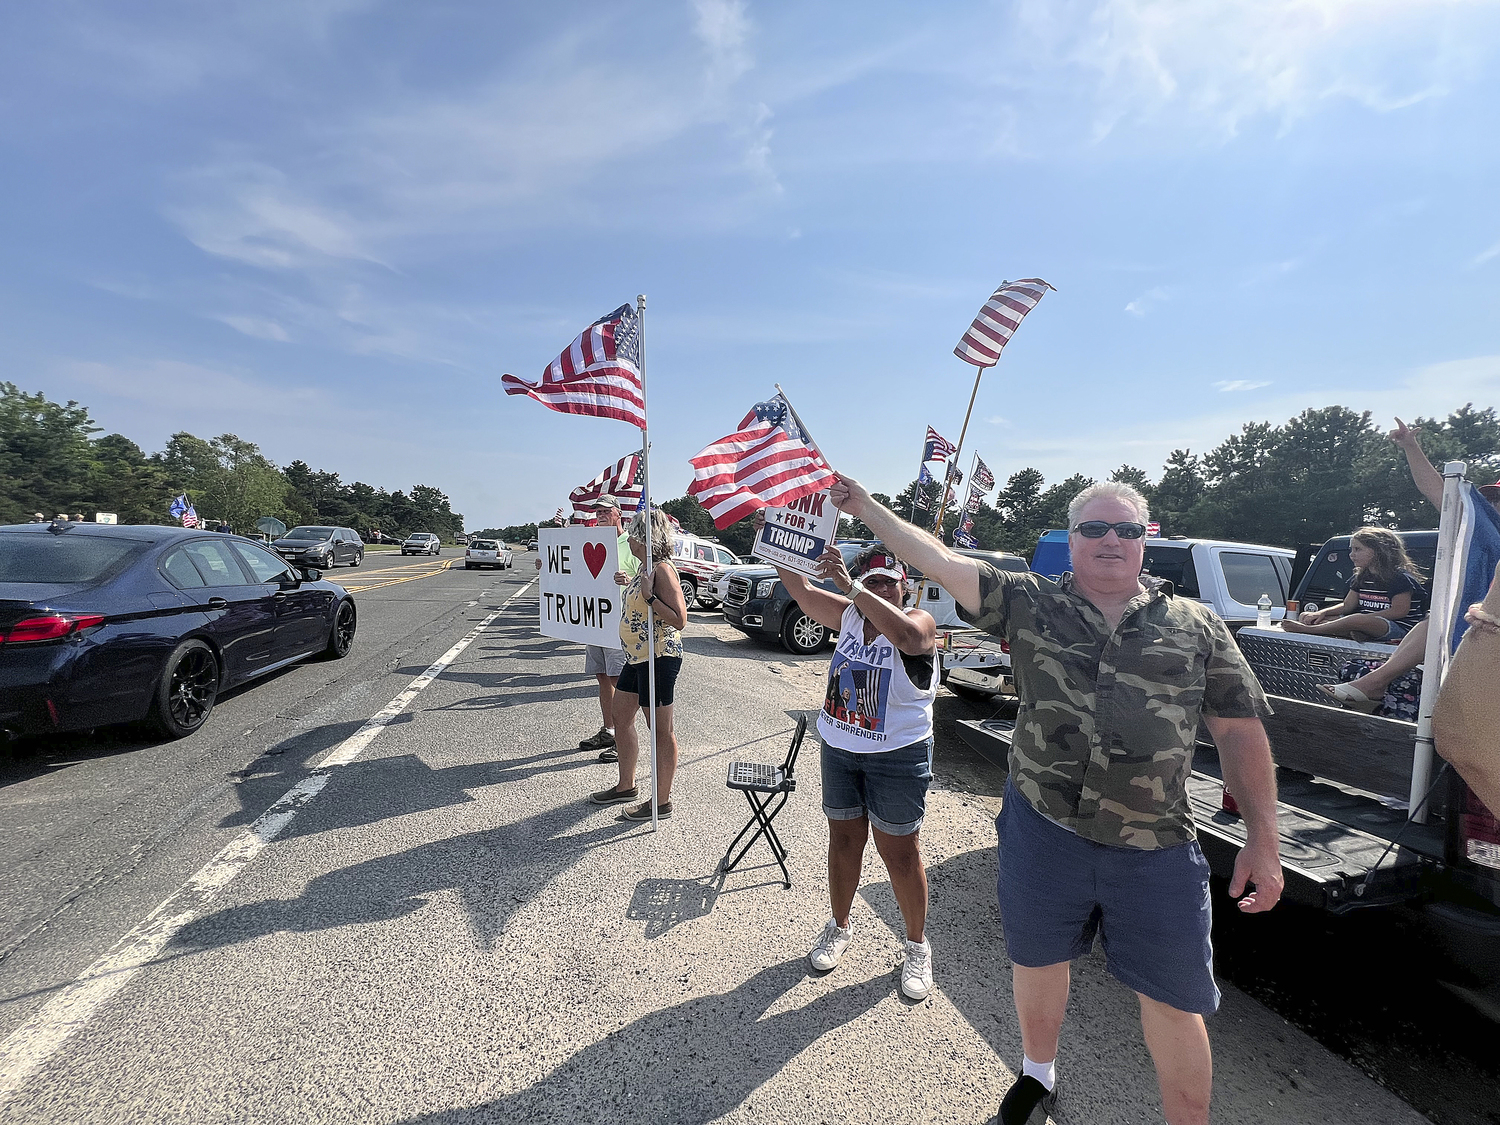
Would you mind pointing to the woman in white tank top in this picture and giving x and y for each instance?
(876, 727)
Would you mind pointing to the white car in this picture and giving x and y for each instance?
(697, 560)
(488, 552)
(422, 543)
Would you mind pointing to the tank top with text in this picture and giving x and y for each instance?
(871, 703)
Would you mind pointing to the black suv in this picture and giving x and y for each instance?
(321, 547)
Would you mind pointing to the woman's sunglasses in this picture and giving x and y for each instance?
(1098, 529)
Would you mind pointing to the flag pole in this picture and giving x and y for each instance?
(800, 424)
(947, 477)
(640, 312)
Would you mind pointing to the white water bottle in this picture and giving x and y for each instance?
(1263, 612)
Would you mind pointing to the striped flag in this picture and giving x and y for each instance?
(937, 447)
(997, 321)
(984, 480)
(767, 462)
(622, 480)
(599, 374)
(1153, 530)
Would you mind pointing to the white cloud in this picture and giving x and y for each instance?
(1144, 303)
(725, 32)
(1485, 256)
(259, 327)
(1227, 386)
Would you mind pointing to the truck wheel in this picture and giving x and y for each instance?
(189, 685)
(802, 635)
(689, 591)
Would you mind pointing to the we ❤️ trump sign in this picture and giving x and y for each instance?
(580, 601)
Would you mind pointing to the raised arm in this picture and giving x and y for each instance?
(823, 607)
(953, 572)
(1428, 480)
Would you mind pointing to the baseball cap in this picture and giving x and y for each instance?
(886, 566)
(607, 501)
(1491, 492)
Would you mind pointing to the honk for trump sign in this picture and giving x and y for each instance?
(580, 601)
(796, 535)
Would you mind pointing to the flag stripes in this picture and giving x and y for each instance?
(622, 480)
(765, 463)
(599, 374)
(998, 320)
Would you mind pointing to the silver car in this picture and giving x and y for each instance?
(422, 543)
(488, 552)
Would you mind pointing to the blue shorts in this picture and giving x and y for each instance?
(1151, 909)
(889, 787)
(1394, 631)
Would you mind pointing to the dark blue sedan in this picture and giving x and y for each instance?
(105, 624)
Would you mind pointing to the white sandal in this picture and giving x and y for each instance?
(1349, 697)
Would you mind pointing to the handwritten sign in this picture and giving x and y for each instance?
(579, 600)
(796, 535)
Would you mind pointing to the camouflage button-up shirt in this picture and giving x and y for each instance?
(1104, 737)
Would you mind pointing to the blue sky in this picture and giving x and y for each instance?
(330, 225)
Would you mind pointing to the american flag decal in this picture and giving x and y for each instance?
(599, 373)
(998, 320)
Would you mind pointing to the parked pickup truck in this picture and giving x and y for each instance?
(1228, 576)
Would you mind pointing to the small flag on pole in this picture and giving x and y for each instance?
(955, 475)
(767, 462)
(984, 480)
(924, 476)
(998, 320)
(182, 508)
(1153, 530)
(622, 480)
(962, 538)
(937, 447)
(599, 373)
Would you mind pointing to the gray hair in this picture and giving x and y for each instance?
(1109, 490)
(661, 532)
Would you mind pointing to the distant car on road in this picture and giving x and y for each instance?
(531, 545)
(320, 546)
(103, 624)
(488, 552)
(422, 543)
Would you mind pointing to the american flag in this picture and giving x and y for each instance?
(767, 462)
(984, 480)
(1153, 530)
(622, 480)
(937, 448)
(997, 321)
(599, 374)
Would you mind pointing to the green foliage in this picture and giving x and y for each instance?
(692, 515)
(44, 456)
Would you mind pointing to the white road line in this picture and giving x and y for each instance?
(27, 1048)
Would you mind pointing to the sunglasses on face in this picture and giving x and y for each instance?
(881, 580)
(1098, 529)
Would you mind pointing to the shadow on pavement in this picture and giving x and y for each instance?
(662, 903)
(684, 1065)
(494, 872)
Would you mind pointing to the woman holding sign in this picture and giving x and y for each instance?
(876, 727)
(659, 592)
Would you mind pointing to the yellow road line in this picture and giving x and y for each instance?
(446, 563)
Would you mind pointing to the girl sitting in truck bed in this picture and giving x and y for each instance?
(1386, 596)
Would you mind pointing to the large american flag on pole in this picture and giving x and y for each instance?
(622, 480)
(998, 320)
(599, 373)
(937, 447)
(767, 463)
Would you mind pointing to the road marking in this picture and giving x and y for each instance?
(27, 1048)
(353, 589)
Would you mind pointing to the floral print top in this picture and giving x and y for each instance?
(633, 628)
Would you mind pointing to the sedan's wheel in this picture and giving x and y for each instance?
(689, 591)
(189, 685)
(801, 634)
(341, 636)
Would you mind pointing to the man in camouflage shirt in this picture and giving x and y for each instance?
(1096, 838)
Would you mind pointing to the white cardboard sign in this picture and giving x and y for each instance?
(796, 535)
(579, 599)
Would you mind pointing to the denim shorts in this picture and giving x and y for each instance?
(610, 661)
(1394, 631)
(1151, 909)
(889, 787)
(633, 680)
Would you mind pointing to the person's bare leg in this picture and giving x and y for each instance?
(666, 754)
(626, 704)
(1178, 1043)
(1041, 1002)
(1409, 653)
(846, 851)
(1355, 626)
(606, 697)
(903, 859)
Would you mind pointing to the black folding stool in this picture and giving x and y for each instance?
(761, 784)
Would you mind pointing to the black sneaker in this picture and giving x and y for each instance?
(599, 741)
(609, 754)
(1028, 1103)
(614, 796)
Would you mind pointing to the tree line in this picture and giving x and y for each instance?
(51, 462)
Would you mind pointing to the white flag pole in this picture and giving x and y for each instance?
(800, 425)
(645, 501)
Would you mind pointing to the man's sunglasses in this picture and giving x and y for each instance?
(1098, 529)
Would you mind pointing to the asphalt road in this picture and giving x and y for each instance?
(443, 931)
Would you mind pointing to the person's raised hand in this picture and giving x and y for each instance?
(758, 521)
(849, 496)
(1404, 435)
(1258, 865)
(831, 568)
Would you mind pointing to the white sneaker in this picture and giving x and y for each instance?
(916, 973)
(831, 945)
